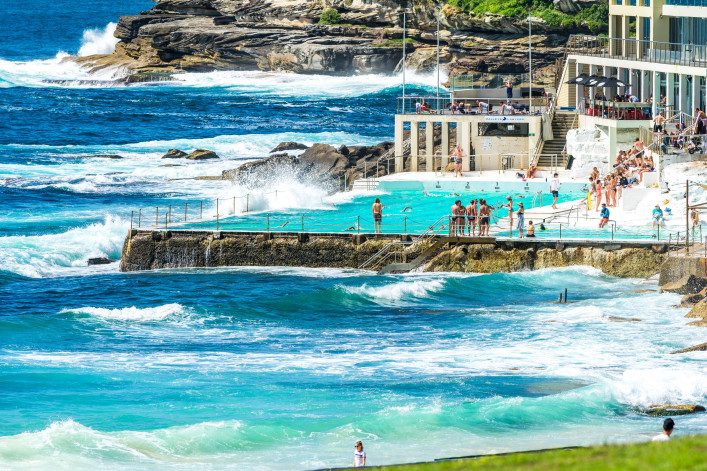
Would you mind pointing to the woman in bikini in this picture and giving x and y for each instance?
(597, 192)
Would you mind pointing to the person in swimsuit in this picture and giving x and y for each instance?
(604, 216)
(695, 218)
(597, 192)
(457, 220)
(471, 212)
(457, 156)
(377, 215)
(509, 203)
(531, 230)
(658, 123)
(521, 219)
(484, 213)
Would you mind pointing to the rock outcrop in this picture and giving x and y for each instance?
(688, 284)
(198, 154)
(205, 35)
(697, 348)
(174, 154)
(322, 163)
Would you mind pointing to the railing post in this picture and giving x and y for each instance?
(268, 222)
(358, 224)
(170, 213)
(560, 231)
(658, 231)
(157, 216)
(201, 210)
(234, 205)
(247, 202)
(185, 210)
(406, 225)
(303, 223)
(131, 221)
(217, 214)
(612, 232)
(165, 221)
(139, 217)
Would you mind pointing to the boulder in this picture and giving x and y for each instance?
(691, 298)
(99, 261)
(700, 323)
(688, 284)
(697, 348)
(698, 311)
(108, 156)
(174, 154)
(202, 154)
(662, 410)
(323, 159)
(572, 7)
(288, 145)
(261, 170)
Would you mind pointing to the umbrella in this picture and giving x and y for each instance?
(580, 79)
(613, 82)
(595, 80)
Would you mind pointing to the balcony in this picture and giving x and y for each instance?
(636, 50)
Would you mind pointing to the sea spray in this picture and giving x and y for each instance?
(98, 41)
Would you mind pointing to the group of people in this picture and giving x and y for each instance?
(683, 137)
(477, 214)
(633, 159)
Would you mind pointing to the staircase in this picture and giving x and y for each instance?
(561, 123)
(431, 251)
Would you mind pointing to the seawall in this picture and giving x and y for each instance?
(149, 250)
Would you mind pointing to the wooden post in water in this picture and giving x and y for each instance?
(565, 294)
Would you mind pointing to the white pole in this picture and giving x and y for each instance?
(437, 58)
(530, 59)
(403, 62)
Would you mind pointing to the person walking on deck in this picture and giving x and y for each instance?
(555, 190)
(377, 210)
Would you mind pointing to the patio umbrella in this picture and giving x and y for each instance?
(595, 80)
(580, 79)
(613, 82)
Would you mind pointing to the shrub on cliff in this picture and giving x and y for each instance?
(330, 17)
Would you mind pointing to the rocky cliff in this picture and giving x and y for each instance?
(205, 35)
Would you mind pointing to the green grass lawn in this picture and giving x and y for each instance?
(679, 454)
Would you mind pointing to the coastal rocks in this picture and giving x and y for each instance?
(688, 284)
(175, 154)
(663, 410)
(572, 7)
(107, 156)
(698, 311)
(198, 154)
(623, 319)
(700, 323)
(288, 145)
(697, 348)
(488, 258)
(202, 154)
(322, 163)
(99, 261)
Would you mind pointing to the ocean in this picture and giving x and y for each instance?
(273, 368)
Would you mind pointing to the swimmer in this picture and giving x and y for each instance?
(406, 209)
(352, 228)
(282, 225)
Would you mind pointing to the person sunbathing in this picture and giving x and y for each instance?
(531, 171)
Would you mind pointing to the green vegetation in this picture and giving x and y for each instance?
(330, 17)
(396, 43)
(596, 16)
(683, 453)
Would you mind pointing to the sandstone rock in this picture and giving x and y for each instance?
(698, 311)
(289, 145)
(689, 284)
(700, 323)
(108, 156)
(691, 298)
(261, 170)
(643, 291)
(202, 154)
(174, 154)
(99, 261)
(661, 410)
(623, 319)
(697, 348)
(572, 7)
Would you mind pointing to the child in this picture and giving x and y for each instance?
(359, 455)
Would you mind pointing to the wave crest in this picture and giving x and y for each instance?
(130, 313)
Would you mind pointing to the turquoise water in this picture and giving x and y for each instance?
(274, 368)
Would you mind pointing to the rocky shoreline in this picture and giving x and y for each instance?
(206, 35)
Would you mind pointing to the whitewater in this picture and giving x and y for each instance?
(270, 368)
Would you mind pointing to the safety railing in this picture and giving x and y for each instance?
(617, 110)
(486, 81)
(470, 106)
(639, 50)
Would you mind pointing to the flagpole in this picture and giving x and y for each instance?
(403, 62)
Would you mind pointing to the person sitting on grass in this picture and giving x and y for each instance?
(604, 216)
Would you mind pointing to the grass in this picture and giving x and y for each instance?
(596, 17)
(680, 454)
(396, 42)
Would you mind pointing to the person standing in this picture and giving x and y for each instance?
(484, 214)
(510, 209)
(555, 190)
(668, 426)
(695, 218)
(377, 215)
(521, 219)
(359, 460)
(457, 156)
(597, 192)
(509, 89)
(472, 212)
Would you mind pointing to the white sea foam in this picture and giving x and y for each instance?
(98, 41)
(131, 313)
(65, 252)
(398, 290)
